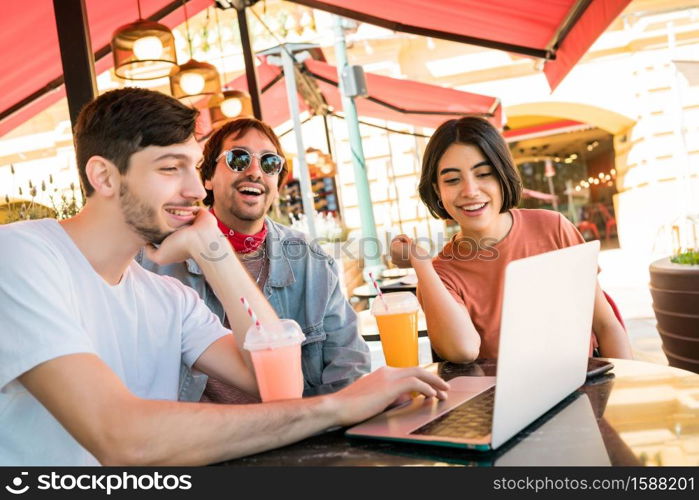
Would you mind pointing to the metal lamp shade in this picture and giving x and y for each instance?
(229, 105)
(143, 50)
(193, 80)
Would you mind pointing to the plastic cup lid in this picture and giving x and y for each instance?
(397, 302)
(271, 336)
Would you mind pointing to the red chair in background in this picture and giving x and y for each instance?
(586, 225)
(587, 221)
(593, 212)
(609, 220)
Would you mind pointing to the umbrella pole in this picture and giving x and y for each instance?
(304, 176)
(76, 54)
(372, 256)
(249, 58)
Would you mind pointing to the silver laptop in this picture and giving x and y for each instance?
(569, 438)
(544, 344)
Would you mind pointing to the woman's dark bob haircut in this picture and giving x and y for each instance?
(477, 132)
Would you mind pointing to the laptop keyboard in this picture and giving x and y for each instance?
(471, 419)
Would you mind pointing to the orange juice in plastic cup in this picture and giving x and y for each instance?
(396, 317)
(275, 350)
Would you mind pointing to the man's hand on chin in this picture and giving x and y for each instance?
(200, 239)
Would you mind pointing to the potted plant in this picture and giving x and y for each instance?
(674, 286)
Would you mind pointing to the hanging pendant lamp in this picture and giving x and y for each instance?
(228, 105)
(143, 50)
(194, 79)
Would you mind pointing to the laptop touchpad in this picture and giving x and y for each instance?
(406, 418)
(471, 384)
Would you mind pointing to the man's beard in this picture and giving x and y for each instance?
(246, 215)
(241, 211)
(140, 216)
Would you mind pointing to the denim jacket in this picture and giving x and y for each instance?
(302, 285)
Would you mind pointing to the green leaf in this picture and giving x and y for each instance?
(690, 257)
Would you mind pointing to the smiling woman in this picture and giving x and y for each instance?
(469, 176)
(469, 191)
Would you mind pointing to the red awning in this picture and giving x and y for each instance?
(390, 99)
(558, 30)
(545, 129)
(32, 56)
(33, 78)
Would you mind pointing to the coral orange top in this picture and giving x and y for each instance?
(475, 277)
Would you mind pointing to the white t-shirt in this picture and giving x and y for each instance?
(53, 303)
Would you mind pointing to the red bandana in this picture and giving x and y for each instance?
(242, 243)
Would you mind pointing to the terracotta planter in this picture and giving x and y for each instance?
(675, 291)
(677, 323)
(691, 365)
(675, 301)
(689, 347)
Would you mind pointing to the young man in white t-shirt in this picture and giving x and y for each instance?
(91, 344)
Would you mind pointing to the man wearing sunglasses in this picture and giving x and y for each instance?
(92, 343)
(242, 171)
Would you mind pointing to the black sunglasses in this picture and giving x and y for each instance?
(239, 159)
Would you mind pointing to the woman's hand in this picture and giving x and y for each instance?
(405, 252)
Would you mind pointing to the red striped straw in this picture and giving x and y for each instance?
(378, 290)
(251, 313)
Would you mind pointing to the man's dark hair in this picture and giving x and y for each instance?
(122, 122)
(237, 128)
(476, 132)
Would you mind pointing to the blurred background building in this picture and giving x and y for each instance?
(615, 147)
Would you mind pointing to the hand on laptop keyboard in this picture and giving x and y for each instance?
(372, 393)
